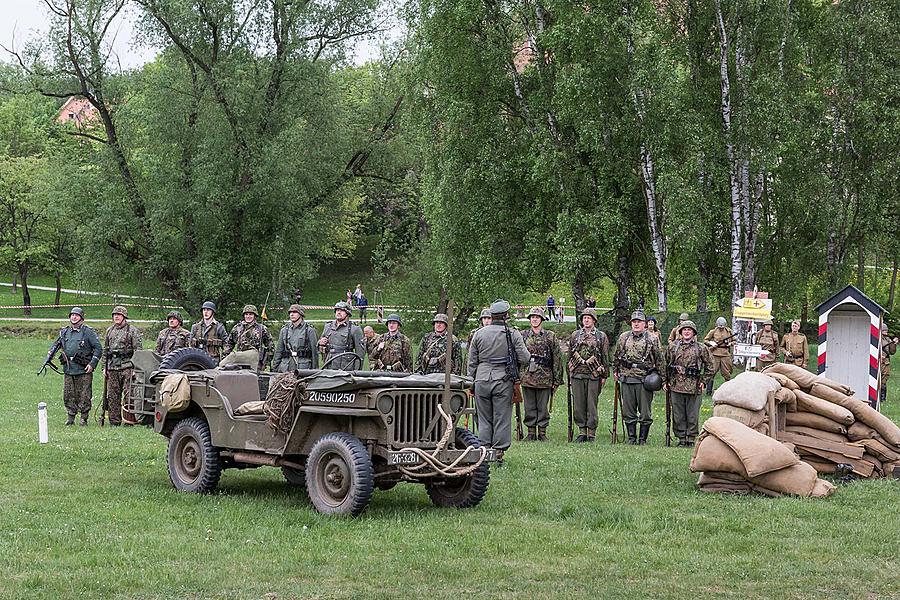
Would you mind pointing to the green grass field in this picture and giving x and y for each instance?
(93, 515)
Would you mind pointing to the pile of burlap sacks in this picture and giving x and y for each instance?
(816, 425)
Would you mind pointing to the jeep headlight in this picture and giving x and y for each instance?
(456, 404)
(384, 404)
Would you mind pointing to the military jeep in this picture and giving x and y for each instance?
(349, 433)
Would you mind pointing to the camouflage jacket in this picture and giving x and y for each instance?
(341, 338)
(121, 342)
(656, 335)
(589, 354)
(254, 336)
(795, 347)
(688, 364)
(80, 348)
(888, 347)
(544, 370)
(433, 352)
(297, 348)
(211, 337)
(172, 339)
(717, 334)
(769, 341)
(637, 355)
(391, 352)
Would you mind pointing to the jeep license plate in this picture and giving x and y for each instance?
(403, 458)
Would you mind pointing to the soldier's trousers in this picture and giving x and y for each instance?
(882, 396)
(799, 362)
(636, 399)
(722, 364)
(686, 415)
(585, 393)
(537, 401)
(77, 394)
(493, 403)
(760, 365)
(118, 392)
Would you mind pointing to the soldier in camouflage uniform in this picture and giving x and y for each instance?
(392, 351)
(637, 355)
(541, 376)
(249, 334)
(297, 343)
(209, 334)
(687, 366)
(121, 342)
(768, 339)
(341, 336)
(720, 341)
(433, 349)
(588, 370)
(674, 333)
(795, 346)
(888, 347)
(81, 352)
(174, 336)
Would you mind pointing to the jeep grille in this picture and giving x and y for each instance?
(417, 421)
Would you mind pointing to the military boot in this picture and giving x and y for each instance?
(70, 420)
(582, 437)
(532, 435)
(591, 435)
(632, 433)
(645, 430)
(542, 434)
(84, 421)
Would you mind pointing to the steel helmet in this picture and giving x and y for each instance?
(652, 381)
(638, 315)
(589, 312)
(537, 311)
(250, 308)
(687, 324)
(174, 314)
(485, 313)
(344, 307)
(721, 322)
(77, 311)
(210, 305)
(120, 310)
(395, 318)
(297, 309)
(441, 318)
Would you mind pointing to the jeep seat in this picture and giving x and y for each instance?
(238, 387)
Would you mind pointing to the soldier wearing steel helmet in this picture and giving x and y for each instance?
(250, 334)
(720, 341)
(497, 353)
(210, 335)
(484, 320)
(121, 341)
(392, 351)
(340, 337)
(673, 335)
(433, 349)
(768, 339)
(688, 364)
(174, 336)
(541, 376)
(297, 342)
(637, 357)
(80, 352)
(588, 370)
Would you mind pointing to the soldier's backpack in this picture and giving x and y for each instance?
(175, 392)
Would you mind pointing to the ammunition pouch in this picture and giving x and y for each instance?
(304, 354)
(81, 359)
(686, 371)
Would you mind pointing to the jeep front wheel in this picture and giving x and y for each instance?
(194, 463)
(461, 492)
(339, 475)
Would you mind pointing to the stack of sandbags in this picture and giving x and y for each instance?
(745, 398)
(734, 458)
(828, 426)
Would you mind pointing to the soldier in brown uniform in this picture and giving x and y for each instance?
(541, 376)
(688, 364)
(636, 357)
(674, 333)
(250, 334)
(174, 336)
(122, 339)
(768, 339)
(795, 346)
(588, 370)
(720, 341)
(210, 335)
(888, 347)
(392, 351)
(433, 349)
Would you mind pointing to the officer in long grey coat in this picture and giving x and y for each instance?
(495, 377)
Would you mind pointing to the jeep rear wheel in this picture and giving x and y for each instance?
(461, 492)
(194, 463)
(339, 475)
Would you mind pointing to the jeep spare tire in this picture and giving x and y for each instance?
(339, 475)
(188, 359)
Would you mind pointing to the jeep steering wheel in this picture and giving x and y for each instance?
(355, 356)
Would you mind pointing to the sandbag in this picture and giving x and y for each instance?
(788, 397)
(247, 358)
(860, 431)
(808, 403)
(758, 453)
(796, 480)
(748, 390)
(784, 381)
(804, 378)
(863, 412)
(751, 418)
(254, 407)
(823, 489)
(712, 454)
(175, 392)
(817, 433)
(880, 451)
(808, 419)
(821, 465)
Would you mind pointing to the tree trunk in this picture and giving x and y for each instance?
(703, 271)
(657, 241)
(26, 294)
(15, 283)
(890, 305)
(578, 297)
(804, 310)
(861, 264)
(58, 288)
(443, 299)
(462, 317)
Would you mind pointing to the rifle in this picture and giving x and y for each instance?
(721, 343)
(614, 432)
(571, 425)
(668, 417)
(517, 402)
(104, 405)
(48, 363)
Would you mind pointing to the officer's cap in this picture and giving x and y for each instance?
(499, 307)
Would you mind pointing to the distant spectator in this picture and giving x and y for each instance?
(350, 299)
(551, 306)
(363, 303)
(358, 293)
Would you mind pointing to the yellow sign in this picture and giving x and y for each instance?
(753, 309)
